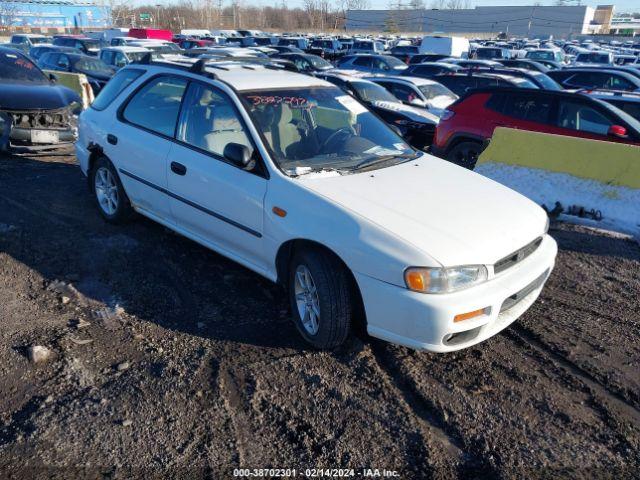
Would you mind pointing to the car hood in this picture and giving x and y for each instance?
(413, 113)
(35, 96)
(455, 216)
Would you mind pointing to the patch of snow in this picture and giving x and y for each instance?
(619, 205)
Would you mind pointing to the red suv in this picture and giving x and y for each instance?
(468, 123)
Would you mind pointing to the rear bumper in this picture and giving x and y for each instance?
(425, 322)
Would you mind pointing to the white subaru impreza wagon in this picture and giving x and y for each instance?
(296, 180)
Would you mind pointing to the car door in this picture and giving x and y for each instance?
(406, 94)
(362, 63)
(578, 119)
(63, 63)
(139, 142)
(212, 199)
(379, 66)
(107, 56)
(120, 60)
(524, 111)
(49, 61)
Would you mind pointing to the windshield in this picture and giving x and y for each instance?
(488, 53)
(14, 66)
(546, 81)
(593, 57)
(393, 62)
(540, 55)
(39, 40)
(91, 44)
(372, 92)
(136, 56)
(318, 62)
(93, 66)
(523, 83)
(431, 92)
(363, 45)
(316, 128)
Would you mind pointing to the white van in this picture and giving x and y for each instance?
(451, 46)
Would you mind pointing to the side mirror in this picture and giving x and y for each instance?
(237, 154)
(53, 77)
(416, 102)
(617, 131)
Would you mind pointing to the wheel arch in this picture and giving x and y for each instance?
(96, 151)
(285, 254)
(464, 137)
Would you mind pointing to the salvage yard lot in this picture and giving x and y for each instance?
(169, 360)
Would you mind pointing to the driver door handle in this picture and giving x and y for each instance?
(178, 168)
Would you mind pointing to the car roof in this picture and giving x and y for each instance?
(530, 91)
(612, 94)
(403, 79)
(126, 49)
(237, 75)
(452, 66)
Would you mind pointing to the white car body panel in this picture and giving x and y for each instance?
(425, 212)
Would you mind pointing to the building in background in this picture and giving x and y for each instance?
(531, 21)
(626, 26)
(53, 14)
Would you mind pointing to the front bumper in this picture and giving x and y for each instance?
(38, 127)
(26, 136)
(425, 322)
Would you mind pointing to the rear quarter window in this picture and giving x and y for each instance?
(114, 87)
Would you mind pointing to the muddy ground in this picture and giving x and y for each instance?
(169, 361)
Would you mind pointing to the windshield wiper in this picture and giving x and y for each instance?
(383, 159)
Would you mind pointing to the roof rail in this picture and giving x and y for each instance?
(199, 67)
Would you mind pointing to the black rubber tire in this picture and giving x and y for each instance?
(335, 296)
(124, 212)
(465, 154)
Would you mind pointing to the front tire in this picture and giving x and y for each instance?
(321, 298)
(108, 192)
(465, 154)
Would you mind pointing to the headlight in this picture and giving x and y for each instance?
(444, 280)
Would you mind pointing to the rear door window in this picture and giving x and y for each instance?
(156, 106)
(528, 107)
(363, 62)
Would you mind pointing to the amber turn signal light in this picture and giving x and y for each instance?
(466, 316)
(279, 212)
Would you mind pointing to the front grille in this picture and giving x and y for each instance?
(514, 299)
(58, 119)
(517, 256)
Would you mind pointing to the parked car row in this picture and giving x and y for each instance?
(419, 87)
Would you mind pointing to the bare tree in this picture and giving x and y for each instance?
(8, 11)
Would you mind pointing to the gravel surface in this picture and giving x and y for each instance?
(131, 352)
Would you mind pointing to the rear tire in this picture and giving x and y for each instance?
(321, 297)
(108, 192)
(465, 154)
